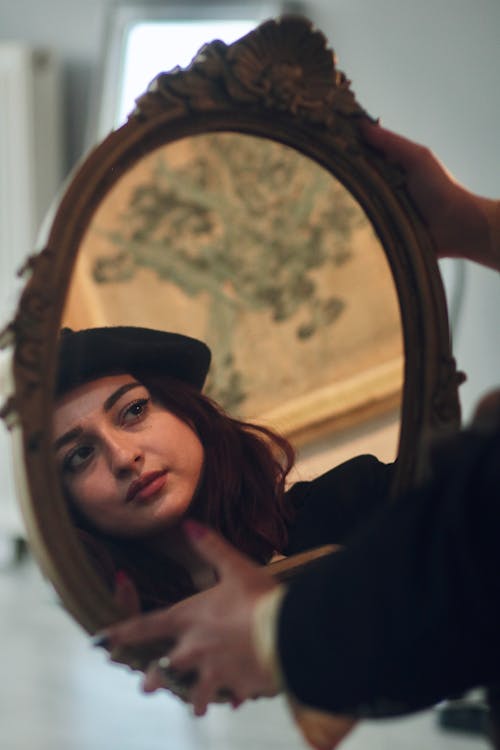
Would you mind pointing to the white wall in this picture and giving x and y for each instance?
(429, 69)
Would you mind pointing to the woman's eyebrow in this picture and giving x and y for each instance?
(108, 404)
(67, 437)
(116, 395)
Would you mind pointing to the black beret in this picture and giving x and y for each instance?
(95, 352)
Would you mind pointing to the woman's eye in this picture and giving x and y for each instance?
(78, 457)
(135, 410)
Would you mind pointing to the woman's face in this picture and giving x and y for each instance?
(129, 465)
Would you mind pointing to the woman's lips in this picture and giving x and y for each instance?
(147, 485)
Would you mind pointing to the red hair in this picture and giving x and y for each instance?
(242, 492)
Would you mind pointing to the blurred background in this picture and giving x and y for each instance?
(429, 70)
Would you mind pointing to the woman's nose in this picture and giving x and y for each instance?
(125, 455)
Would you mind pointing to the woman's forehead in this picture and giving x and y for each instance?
(89, 398)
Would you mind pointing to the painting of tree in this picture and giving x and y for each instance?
(254, 248)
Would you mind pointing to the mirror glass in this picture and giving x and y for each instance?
(248, 245)
(257, 250)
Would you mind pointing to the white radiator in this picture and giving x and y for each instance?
(30, 175)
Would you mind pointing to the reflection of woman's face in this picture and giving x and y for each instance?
(129, 465)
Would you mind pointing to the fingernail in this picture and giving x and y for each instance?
(193, 529)
(101, 640)
(148, 686)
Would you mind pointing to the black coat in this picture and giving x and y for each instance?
(409, 612)
(331, 508)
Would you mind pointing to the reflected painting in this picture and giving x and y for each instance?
(257, 250)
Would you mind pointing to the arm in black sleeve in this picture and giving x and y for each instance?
(409, 612)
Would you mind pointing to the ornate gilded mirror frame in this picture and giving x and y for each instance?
(279, 82)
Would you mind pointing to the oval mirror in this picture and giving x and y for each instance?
(239, 205)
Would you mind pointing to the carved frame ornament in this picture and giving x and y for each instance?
(279, 82)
